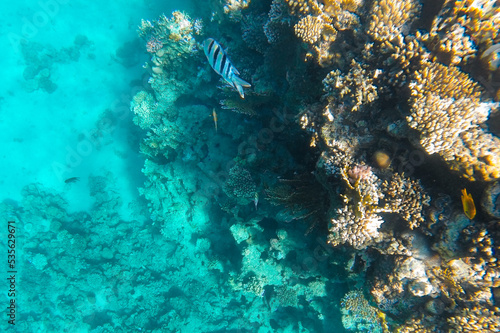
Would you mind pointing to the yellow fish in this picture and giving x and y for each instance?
(468, 203)
(214, 114)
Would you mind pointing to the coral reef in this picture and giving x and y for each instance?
(407, 197)
(390, 20)
(240, 185)
(395, 86)
(358, 315)
(330, 195)
(42, 61)
(447, 111)
(462, 28)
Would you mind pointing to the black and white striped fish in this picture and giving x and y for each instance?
(219, 61)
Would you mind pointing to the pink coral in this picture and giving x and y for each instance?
(359, 172)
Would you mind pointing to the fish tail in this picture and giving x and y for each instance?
(239, 84)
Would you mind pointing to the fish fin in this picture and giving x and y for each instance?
(239, 83)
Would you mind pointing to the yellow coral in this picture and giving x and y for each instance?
(407, 198)
(390, 19)
(309, 28)
(476, 320)
(303, 6)
(446, 111)
(462, 26)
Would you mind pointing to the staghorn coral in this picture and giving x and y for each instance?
(446, 111)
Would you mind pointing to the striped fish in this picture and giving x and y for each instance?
(219, 61)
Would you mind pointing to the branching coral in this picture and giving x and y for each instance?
(310, 29)
(320, 22)
(476, 320)
(358, 315)
(357, 223)
(170, 41)
(407, 198)
(462, 27)
(446, 111)
(355, 90)
(390, 20)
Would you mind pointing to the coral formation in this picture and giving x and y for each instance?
(464, 27)
(240, 184)
(369, 145)
(390, 20)
(358, 315)
(447, 111)
(407, 197)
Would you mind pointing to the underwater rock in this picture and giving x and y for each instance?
(491, 200)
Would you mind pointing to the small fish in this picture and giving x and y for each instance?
(468, 203)
(219, 61)
(214, 114)
(256, 199)
(72, 180)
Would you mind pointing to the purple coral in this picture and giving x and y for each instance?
(359, 172)
(154, 44)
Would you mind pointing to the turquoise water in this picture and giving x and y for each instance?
(89, 257)
(140, 191)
